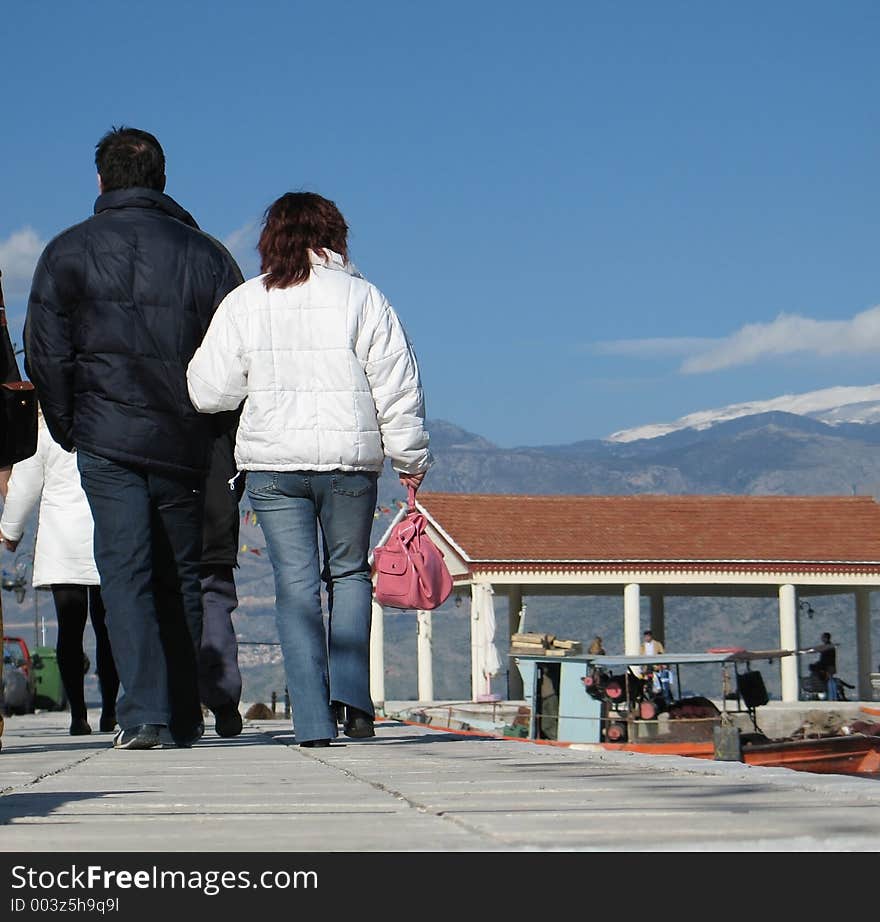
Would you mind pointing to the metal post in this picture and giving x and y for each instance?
(863, 644)
(514, 614)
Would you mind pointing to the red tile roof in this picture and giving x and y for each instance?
(659, 528)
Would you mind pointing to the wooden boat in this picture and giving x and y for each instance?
(848, 754)
(616, 703)
(840, 754)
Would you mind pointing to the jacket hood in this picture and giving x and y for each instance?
(140, 197)
(333, 260)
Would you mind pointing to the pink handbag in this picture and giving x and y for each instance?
(410, 570)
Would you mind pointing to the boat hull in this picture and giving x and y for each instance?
(854, 754)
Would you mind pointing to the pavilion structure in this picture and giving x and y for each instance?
(659, 546)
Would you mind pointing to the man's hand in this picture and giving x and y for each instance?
(412, 480)
(9, 544)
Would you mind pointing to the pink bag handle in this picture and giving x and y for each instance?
(408, 534)
(413, 522)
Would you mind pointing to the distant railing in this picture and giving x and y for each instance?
(274, 699)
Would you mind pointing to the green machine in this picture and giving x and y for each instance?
(49, 694)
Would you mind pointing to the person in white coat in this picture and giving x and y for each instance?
(331, 387)
(64, 561)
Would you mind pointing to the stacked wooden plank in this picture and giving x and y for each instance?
(564, 647)
(543, 644)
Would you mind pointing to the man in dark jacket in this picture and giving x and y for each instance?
(118, 306)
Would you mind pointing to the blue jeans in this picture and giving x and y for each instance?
(148, 545)
(332, 663)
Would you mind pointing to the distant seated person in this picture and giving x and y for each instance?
(650, 646)
(825, 668)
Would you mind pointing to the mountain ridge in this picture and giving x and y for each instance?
(834, 405)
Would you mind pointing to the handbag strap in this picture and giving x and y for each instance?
(9, 370)
(410, 528)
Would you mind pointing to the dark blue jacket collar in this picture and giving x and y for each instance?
(140, 197)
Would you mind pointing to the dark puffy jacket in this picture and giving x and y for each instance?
(118, 306)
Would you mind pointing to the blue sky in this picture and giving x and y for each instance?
(589, 215)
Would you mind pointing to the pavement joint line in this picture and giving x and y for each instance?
(57, 771)
(412, 804)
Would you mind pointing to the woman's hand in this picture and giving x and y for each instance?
(412, 480)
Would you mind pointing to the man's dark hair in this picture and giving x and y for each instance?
(127, 157)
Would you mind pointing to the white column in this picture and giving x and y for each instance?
(476, 671)
(425, 656)
(788, 640)
(863, 644)
(632, 628)
(658, 618)
(377, 654)
(514, 679)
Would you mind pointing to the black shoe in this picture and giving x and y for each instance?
(227, 720)
(143, 736)
(79, 726)
(311, 744)
(187, 739)
(358, 724)
(108, 723)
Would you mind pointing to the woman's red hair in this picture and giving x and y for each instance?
(294, 224)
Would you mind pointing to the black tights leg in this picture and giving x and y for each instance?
(71, 607)
(108, 678)
(73, 604)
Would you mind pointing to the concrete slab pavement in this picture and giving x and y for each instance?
(410, 789)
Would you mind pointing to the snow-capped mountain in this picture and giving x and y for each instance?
(832, 405)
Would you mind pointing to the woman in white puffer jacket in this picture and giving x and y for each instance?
(331, 388)
(64, 562)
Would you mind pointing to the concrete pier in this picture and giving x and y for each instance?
(411, 788)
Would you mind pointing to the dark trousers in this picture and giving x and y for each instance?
(219, 675)
(148, 544)
(73, 604)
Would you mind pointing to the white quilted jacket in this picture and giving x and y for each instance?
(63, 551)
(330, 377)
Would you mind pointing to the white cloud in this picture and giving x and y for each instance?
(789, 334)
(647, 348)
(19, 253)
(242, 243)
